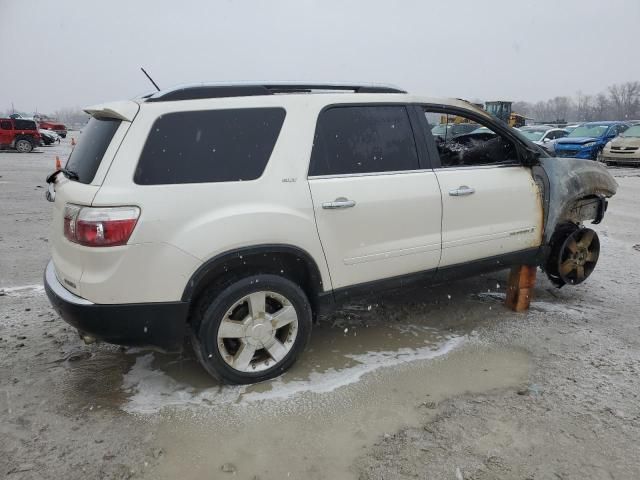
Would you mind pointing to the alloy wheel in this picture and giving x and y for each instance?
(257, 332)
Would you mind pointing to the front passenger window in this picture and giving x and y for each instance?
(362, 140)
(476, 146)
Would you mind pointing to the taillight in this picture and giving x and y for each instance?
(99, 226)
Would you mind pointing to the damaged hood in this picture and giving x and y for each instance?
(577, 140)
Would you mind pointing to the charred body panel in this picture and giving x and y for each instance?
(574, 191)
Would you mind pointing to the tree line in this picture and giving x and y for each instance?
(617, 102)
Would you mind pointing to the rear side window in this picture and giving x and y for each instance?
(24, 124)
(94, 141)
(363, 139)
(209, 146)
(5, 125)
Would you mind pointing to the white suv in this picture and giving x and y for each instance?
(239, 213)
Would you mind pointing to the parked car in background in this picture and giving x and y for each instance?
(587, 140)
(571, 127)
(49, 137)
(253, 246)
(56, 127)
(624, 149)
(544, 135)
(20, 134)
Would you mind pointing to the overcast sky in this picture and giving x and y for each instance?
(68, 53)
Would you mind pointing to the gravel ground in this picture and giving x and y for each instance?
(440, 383)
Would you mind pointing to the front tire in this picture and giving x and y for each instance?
(24, 146)
(252, 330)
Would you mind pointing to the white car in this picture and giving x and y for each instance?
(544, 136)
(239, 214)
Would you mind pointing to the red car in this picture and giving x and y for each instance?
(19, 133)
(59, 128)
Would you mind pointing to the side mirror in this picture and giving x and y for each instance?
(546, 140)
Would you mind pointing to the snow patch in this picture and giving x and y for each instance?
(22, 291)
(151, 389)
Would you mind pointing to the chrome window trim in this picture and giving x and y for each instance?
(479, 167)
(368, 174)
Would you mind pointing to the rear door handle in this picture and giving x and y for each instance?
(462, 191)
(340, 202)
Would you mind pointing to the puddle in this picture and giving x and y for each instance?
(338, 355)
(359, 378)
(318, 435)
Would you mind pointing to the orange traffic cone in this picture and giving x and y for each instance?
(58, 164)
(73, 141)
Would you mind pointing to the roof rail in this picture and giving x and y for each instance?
(195, 92)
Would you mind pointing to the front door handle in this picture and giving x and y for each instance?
(340, 202)
(461, 191)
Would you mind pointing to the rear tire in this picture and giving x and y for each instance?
(252, 330)
(23, 146)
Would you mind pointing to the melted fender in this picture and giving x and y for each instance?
(573, 190)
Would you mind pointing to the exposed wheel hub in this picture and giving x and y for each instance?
(578, 256)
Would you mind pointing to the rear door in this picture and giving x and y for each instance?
(6, 132)
(377, 207)
(491, 205)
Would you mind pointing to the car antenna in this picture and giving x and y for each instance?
(150, 79)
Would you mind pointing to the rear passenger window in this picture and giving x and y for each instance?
(92, 145)
(5, 126)
(363, 140)
(209, 146)
(24, 124)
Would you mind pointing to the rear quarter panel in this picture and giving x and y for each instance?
(206, 219)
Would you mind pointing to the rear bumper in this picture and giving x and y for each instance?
(157, 325)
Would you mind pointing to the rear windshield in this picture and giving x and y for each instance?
(209, 146)
(24, 124)
(94, 140)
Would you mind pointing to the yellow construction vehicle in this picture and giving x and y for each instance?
(502, 110)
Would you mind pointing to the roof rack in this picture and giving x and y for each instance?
(195, 92)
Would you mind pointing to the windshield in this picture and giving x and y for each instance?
(533, 135)
(440, 130)
(632, 131)
(589, 131)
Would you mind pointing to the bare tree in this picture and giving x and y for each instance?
(625, 99)
(584, 108)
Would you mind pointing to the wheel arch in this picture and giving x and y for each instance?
(570, 186)
(280, 259)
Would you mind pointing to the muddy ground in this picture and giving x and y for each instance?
(437, 383)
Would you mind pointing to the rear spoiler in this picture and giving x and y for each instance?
(124, 110)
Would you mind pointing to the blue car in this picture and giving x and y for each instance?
(588, 139)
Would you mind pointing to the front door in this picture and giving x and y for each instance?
(491, 204)
(378, 211)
